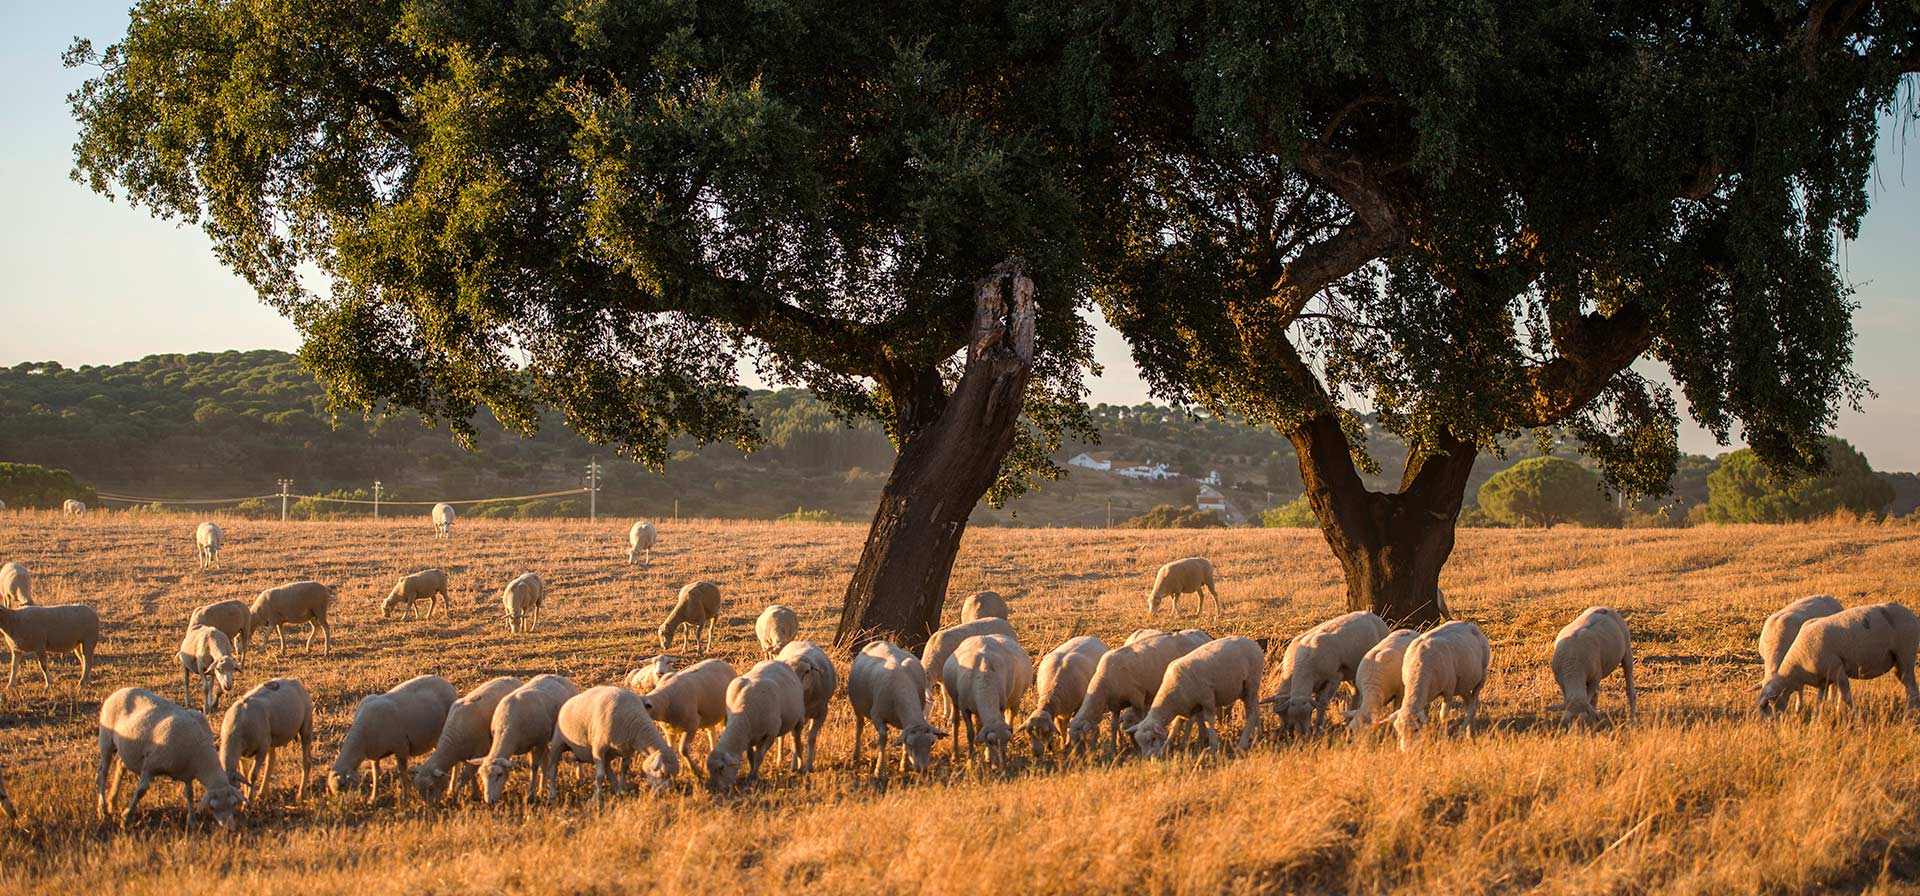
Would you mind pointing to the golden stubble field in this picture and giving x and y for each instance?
(1699, 795)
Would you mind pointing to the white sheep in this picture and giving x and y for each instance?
(1064, 674)
(292, 604)
(262, 720)
(1190, 575)
(888, 687)
(466, 735)
(640, 541)
(36, 630)
(1376, 685)
(604, 723)
(443, 520)
(429, 585)
(521, 601)
(984, 604)
(1448, 661)
(152, 737)
(651, 674)
(16, 585)
(523, 723)
(402, 723)
(933, 658)
(697, 606)
(71, 507)
(232, 617)
(1199, 684)
(985, 678)
(817, 684)
(206, 537)
(1126, 678)
(691, 700)
(1832, 651)
(1139, 633)
(1318, 661)
(1777, 635)
(208, 653)
(776, 626)
(767, 703)
(1588, 650)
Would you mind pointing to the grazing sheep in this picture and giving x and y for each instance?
(1832, 651)
(1191, 575)
(1777, 635)
(698, 606)
(523, 723)
(776, 626)
(652, 674)
(984, 604)
(817, 684)
(640, 540)
(1318, 661)
(985, 678)
(429, 585)
(293, 604)
(1588, 650)
(402, 723)
(1126, 678)
(1064, 674)
(152, 737)
(603, 723)
(888, 687)
(206, 537)
(466, 735)
(933, 658)
(692, 700)
(271, 715)
(1139, 633)
(1376, 684)
(767, 703)
(36, 630)
(521, 601)
(207, 652)
(231, 617)
(1449, 660)
(16, 585)
(70, 507)
(443, 520)
(1197, 685)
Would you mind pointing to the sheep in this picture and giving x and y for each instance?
(652, 674)
(776, 626)
(1064, 674)
(1191, 575)
(888, 687)
(767, 703)
(523, 723)
(1376, 684)
(1318, 661)
(1126, 678)
(1591, 646)
(640, 540)
(1831, 651)
(1777, 635)
(692, 700)
(984, 604)
(817, 684)
(153, 737)
(933, 658)
(466, 735)
(70, 507)
(208, 653)
(1197, 685)
(1449, 660)
(229, 616)
(262, 720)
(1139, 633)
(292, 604)
(35, 629)
(601, 723)
(16, 585)
(206, 537)
(402, 723)
(443, 520)
(521, 601)
(985, 678)
(697, 606)
(429, 585)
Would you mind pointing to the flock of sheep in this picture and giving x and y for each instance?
(1154, 691)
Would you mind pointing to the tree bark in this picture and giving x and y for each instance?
(943, 470)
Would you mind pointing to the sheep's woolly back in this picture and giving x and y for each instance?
(1587, 650)
(1378, 681)
(982, 605)
(1778, 633)
(16, 584)
(1861, 643)
(1450, 660)
(888, 685)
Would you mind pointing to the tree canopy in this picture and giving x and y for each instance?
(1545, 492)
(1743, 490)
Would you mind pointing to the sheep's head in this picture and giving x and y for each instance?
(1041, 731)
(1773, 695)
(387, 605)
(223, 673)
(1577, 713)
(918, 740)
(1358, 721)
(1298, 711)
(996, 733)
(221, 802)
(723, 769)
(1151, 738)
(339, 782)
(493, 777)
(666, 636)
(1406, 721)
(1081, 734)
(660, 767)
(431, 782)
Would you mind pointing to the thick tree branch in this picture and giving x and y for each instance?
(1593, 348)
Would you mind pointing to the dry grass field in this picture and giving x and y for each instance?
(1699, 795)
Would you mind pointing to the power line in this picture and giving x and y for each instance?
(379, 502)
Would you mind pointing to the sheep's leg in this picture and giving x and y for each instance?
(264, 765)
(373, 785)
(13, 664)
(756, 753)
(306, 757)
(103, 788)
(1846, 690)
(1626, 672)
(794, 736)
(186, 790)
(813, 738)
(139, 793)
(1903, 668)
(859, 733)
(85, 652)
(599, 778)
(280, 631)
(400, 776)
(186, 685)
(45, 675)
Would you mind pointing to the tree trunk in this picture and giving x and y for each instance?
(943, 470)
(1391, 546)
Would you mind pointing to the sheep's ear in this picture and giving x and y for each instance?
(475, 763)
(647, 702)
(1387, 719)
(937, 734)
(1557, 707)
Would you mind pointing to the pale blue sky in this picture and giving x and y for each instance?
(91, 282)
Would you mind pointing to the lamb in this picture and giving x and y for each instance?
(601, 723)
(429, 585)
(652, 674)
(153, 737)
(70, 507)
(523, 723)
(35, 629)
(16, 585)
(1588, 650)
(933, 658)
(443, 519)
(888, 687)
(1127, 678)
(817, 684)
(692, 701)
(1318, 661)
(698, 606)
(271, 715)
(1064, 674)
(292, 604)
(206, 537)
(985, 678)
(640, 540)
(207, 652)
(402, 723)
(229, 616)
(1197, 685)
(1777, 635)
(1831, 651)
(767, 703)
(466, 735)
(1449, 660)
(521, 600)
(1377, 682)
(984, 604)
(776, 626)
(1192, 575)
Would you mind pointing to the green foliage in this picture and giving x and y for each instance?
(1167, 516)
(1743, 490)
(803, 515)
(33, 487)
(1547, 491)
(1295, 514)
(1906, 493)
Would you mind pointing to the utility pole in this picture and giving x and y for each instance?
(376, 499)
(1109, 513)
(284, 485)
(676, 510)
(593, 489)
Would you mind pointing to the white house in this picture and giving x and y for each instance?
(1210, 499)
(1148, 470)
(1213, 477)
(1099, 460)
